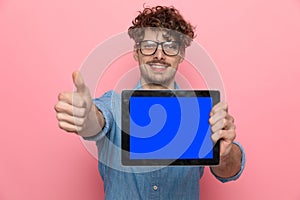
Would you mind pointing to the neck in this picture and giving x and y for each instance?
(154, 86)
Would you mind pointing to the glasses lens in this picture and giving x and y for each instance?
(148, 47)
(171, 48)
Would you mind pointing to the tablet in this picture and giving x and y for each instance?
(168, 127)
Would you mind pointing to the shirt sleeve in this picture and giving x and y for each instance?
(235, 177)
(201, 171)
(103, 104)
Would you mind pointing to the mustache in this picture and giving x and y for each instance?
(158, 62)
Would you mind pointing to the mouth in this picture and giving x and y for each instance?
(158, 66)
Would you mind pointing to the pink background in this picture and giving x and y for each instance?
(255, 45)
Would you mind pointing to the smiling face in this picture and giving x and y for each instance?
(158, 70)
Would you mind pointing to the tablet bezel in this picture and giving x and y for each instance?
(125, 123)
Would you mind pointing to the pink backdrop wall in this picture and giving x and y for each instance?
(255, 45)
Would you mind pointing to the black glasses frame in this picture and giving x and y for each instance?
(162, 47)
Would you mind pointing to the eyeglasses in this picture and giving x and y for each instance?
(149, 47)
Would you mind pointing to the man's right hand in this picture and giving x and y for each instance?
(76, 112)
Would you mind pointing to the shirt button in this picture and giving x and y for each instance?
(155, 187)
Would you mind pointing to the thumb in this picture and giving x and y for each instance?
(78, 81)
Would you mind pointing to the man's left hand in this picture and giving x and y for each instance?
(223, 128)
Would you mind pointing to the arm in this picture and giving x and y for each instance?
(76, 112)
(223, 129)
(230, 164)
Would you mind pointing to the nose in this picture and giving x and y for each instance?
(159, 54)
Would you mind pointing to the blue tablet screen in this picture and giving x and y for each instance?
(170, 128)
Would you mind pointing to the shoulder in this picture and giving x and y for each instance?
(111, 94)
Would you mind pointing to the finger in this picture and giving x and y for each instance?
(231, 126)
(230, 123)
(226, 135)
(225, 148)
(69, 127)
(226, 138)
(230, 118)
(219, 125)
(219, 106)
(216, 136)
(63, 107)
(226, 123)
(217, 116)
(78, 82)
(77, 121)
(72, 98)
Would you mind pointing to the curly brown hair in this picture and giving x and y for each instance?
(164, 17)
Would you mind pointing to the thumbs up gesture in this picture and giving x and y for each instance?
(76, 112)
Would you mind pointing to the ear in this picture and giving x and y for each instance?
(181, 59)
(135, 54)
(182, 54)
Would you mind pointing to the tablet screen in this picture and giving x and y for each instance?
(163, 127)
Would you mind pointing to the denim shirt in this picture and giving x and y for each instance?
(122, 182)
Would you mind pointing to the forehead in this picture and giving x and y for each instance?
(158, 35)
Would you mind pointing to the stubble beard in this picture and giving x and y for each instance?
(164, 79)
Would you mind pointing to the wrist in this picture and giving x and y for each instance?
(230, 164)
(93, 122)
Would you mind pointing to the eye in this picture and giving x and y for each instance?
(148, 45)
(171, 45)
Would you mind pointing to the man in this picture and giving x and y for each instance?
(161, 36)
